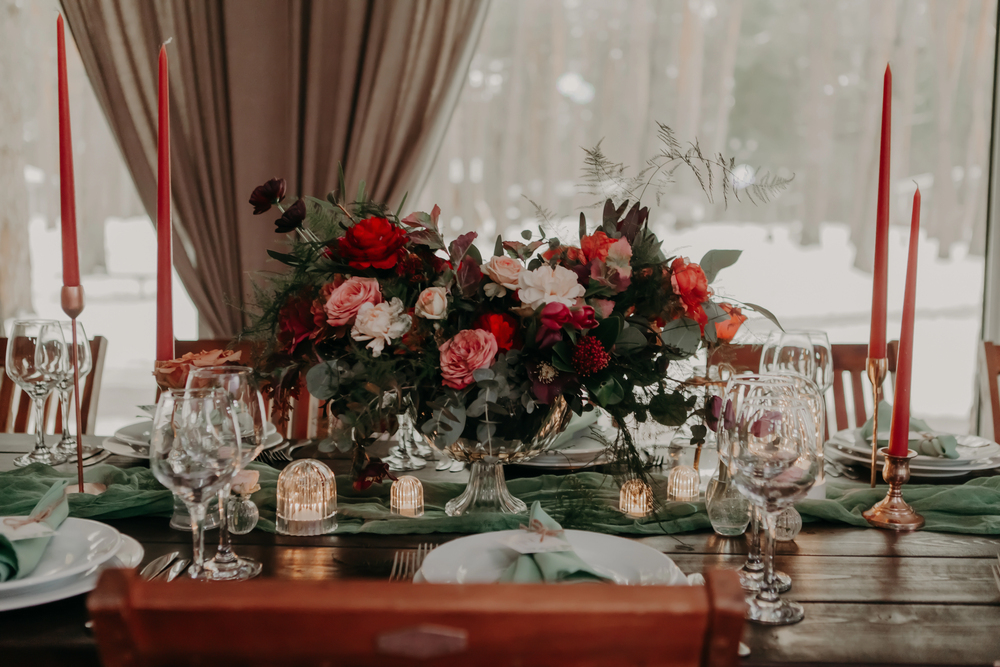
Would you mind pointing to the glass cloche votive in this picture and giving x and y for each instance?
(406, 497)
(635, 499)
(683, 484)
(307, 499)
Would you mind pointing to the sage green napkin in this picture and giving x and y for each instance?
(940, 445)
(551, 567)
(19, 558)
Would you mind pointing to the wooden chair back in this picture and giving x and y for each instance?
(16, 414)
(850, 410)
(306, 419)
(989, 372)
(282, 622)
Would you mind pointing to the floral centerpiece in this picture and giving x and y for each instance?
(382, 317)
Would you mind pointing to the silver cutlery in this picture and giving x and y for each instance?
(177, 568)
(406, 564)
(158, 565)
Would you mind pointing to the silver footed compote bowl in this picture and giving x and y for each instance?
(487, 488)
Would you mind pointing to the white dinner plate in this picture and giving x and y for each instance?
(921, 471)
(141, 433)
(971, 450)
(482, 558)
(564, 463)
(129, 555)
(116, 446)
(78, 546)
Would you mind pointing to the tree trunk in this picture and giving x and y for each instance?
(15, 260)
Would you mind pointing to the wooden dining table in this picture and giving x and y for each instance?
(871, 597)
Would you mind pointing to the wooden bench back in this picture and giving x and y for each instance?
(16, 414)
(988, 376)
(849, 374)
(282, 622)
(305, 420)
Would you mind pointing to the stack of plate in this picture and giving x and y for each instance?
(481, 559)
(974, 454)
(134, 439)
(79, 551)
(582, 453)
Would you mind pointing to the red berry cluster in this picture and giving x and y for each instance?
(589, 356)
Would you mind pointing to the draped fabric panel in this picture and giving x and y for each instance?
(261, 89)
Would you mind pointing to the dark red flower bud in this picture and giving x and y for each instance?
(291, 219)
(267, 195)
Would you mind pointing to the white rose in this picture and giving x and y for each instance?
(548, 284)
(432, 304)
(380, 324)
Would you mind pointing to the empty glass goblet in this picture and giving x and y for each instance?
(195, 453)
(239, 385)
(34, 356)
(67, 445)
(789, 352)
(775, 464)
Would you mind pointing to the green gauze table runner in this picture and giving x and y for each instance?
(583, 500)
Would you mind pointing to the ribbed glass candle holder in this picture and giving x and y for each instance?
(635, 499)
(406, 497)
(682, 484)
(307, 499)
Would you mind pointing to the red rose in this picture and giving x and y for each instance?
(596, 246)
(374, 242)
(503, 327)
(690, 284)
(295, 323)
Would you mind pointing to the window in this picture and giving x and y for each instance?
(788, 86)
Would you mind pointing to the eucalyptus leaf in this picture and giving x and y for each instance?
(669, 409)
(716, 260)
(630, 340)
(766, 313)
(683, 335)
(323, 380)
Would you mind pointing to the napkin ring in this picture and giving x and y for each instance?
(536, 526)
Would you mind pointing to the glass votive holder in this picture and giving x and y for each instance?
(406, 497)
(635, 499)
(683, 484)
(307, 499)
(788, 525)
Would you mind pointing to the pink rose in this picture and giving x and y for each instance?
(467, 352)
(604, 306)
(345, 301)
(504, 272)
(432, 304)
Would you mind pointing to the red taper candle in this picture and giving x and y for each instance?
(876, 344)
(67, 200)
(899, 433)
(164, 250)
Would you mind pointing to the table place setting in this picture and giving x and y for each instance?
(47, 556)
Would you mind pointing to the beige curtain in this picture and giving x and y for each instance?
(261, 88)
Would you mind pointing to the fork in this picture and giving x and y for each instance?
(406, 564)
(272, 457)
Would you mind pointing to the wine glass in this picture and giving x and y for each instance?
(739, 389)
(34, 357)
(774, 465)
(241, 388)
(195, 453)
(67, 445)
(788, 352)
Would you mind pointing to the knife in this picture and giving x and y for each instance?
(177, 568)
(158, 565)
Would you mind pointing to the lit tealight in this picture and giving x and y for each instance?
(636, 498)
(682, 484)
(307, 499)
(406, 497)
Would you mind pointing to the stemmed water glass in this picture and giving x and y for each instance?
(789, 352)
(195, 453)
(239, 385)
(67, 445)
(739, 390)
(774, 464)
(34, 356)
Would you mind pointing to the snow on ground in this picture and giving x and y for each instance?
(806, 287)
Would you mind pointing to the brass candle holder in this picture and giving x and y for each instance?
(877, 370)
(72, 304)
(892, 512)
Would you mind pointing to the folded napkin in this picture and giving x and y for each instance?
(579, 427)
(930, 443)
(550, 567)
(19, 558)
